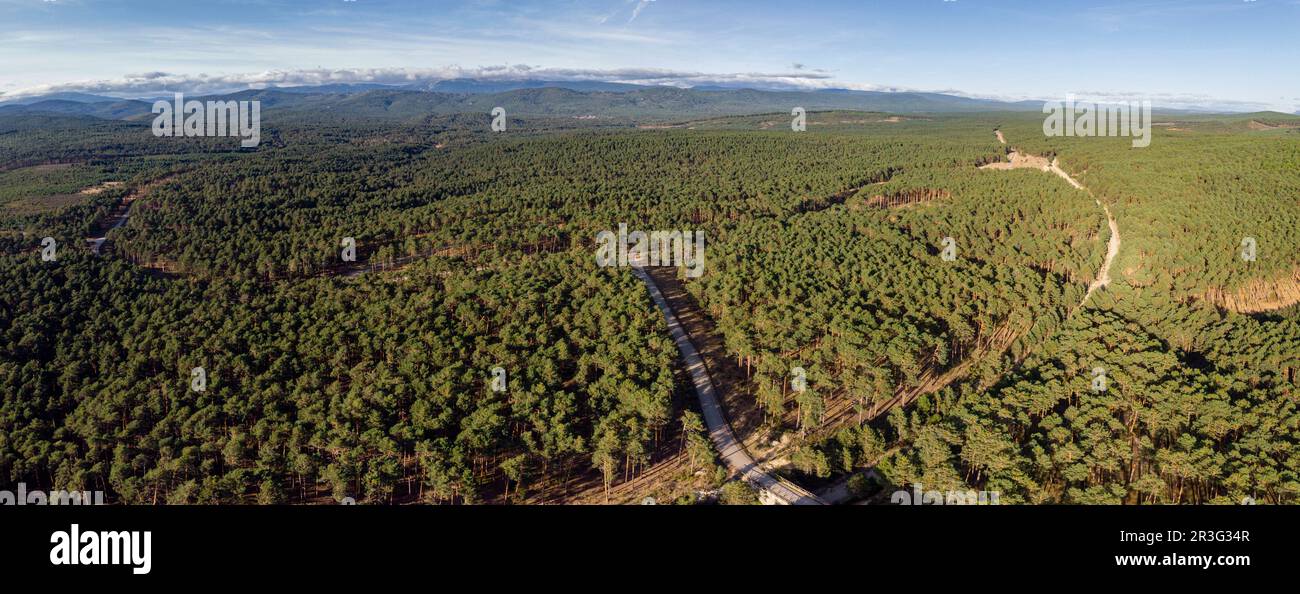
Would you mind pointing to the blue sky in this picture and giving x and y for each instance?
(1224, 53)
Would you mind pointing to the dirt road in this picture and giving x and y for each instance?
(1112, 246)
(732, 452)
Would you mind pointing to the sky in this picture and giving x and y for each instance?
(1225, 54)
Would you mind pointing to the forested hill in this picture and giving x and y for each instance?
(667, 103)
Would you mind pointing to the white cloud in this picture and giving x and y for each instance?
(146, 84)
(640, 6)
(152, 83)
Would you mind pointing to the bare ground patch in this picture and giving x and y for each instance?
(101, 188)
(1019, 160)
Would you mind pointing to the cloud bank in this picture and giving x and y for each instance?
(154, 83)
(799, 78)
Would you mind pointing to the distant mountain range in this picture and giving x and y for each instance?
(470, 85)
(526, 98)
(110, 109)
(77, 97)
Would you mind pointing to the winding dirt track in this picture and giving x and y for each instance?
(1002, 337)
(1112, 246)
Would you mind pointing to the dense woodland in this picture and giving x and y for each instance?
(1200, 405)
(861, 298)
(375, 388)
(825, 252)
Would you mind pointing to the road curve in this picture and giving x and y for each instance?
(773, 489)
(1112, 246)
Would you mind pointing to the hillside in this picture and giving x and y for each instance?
(602, 100)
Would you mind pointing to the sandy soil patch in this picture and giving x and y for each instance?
(97, 190)
(1019, 160)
